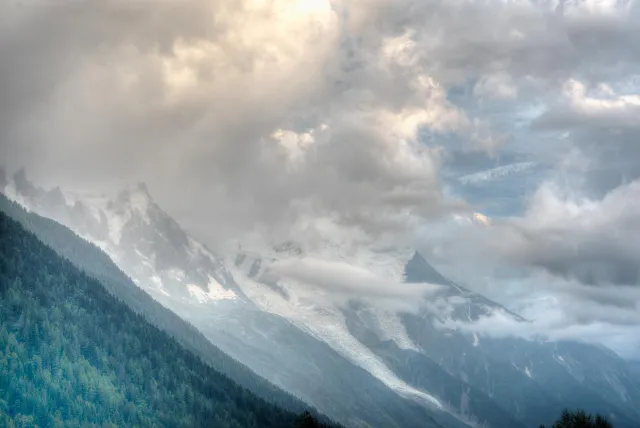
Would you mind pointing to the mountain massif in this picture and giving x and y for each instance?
(73, 355)
(359, 362)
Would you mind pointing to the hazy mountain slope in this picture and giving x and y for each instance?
(419, 370)
(370, 336)
(306, 308)
(526, 377)
(313, 371)
(73, 355)
(577, 374)
(521, 379)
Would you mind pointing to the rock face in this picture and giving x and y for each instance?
(358, 362)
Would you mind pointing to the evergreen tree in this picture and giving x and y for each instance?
(307, 420)
(580, 419)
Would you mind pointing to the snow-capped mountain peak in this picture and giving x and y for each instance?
(137, 198)
(138, 235)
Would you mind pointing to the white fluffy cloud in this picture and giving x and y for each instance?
(263, 107)
(597, 107)
(344, 282)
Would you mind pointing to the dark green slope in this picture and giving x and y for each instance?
(97, 264)
(71, 354)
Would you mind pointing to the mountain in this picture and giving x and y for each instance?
(138, 236)
(96, 263)
(549, 376)
(368, 364)
(73, 355)
(634, 366)
(299, 363)
(496, 382)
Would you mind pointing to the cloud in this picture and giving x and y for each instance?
(189, 96)
(567, 317)
(569, 265)
(384, 117)
(603, 108)
(346, 282)
(592, 241)
(206, 101)
(496, 86)
(597, 123)
(496, 173)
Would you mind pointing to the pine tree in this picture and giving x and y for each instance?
(580, 419)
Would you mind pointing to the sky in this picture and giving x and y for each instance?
(390, 119)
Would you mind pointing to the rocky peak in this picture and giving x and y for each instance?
(289, 248)
(23, 185)
(419, 270)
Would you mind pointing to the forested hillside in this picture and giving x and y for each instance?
(73, 355)
(97, 264)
